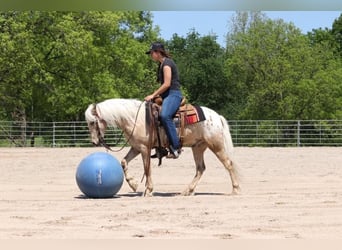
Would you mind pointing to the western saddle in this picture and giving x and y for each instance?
(153, 109)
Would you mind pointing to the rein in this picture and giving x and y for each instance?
(102, 140)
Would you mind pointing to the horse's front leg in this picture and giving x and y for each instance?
(147, 169)
(132, 153)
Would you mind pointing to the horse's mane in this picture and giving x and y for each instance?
(90, 117)
(115, 111)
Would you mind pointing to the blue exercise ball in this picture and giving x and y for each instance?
(99, 175)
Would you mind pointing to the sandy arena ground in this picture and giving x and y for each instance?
(287, 193)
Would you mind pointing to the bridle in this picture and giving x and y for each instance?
(105, 145)
(102, 141)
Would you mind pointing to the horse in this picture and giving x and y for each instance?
(129, 115)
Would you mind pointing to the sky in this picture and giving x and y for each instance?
(217, 22)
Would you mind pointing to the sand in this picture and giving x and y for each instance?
(287, 193)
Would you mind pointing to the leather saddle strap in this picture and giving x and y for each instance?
(182, 125)
(150, 124)
(159, 149)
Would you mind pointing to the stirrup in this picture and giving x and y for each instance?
(174, 154)
(160, 153)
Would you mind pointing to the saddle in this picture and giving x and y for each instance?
(186, 114)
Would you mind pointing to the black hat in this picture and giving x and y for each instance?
(155, 46)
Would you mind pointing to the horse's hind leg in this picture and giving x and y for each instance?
(222, 155)
(132, 153)
(198, 151)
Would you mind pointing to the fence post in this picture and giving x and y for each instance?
(53, 134)
(74, 123)
(277, 130)
(320, 132)
(298, 133)
(236, 132)
(256, 132)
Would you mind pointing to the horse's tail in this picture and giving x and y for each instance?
(228, 143)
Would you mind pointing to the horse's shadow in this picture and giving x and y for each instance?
(170, 194)
(155, 194)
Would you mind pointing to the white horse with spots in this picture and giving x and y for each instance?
(130, 116)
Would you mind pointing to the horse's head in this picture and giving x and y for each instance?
(97, 126)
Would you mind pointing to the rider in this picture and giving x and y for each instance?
(169, 90)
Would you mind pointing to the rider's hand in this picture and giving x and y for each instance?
(149, 98)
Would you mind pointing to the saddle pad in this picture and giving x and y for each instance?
(194, 115)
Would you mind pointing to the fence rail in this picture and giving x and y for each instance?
(244, 133)
(287, 133)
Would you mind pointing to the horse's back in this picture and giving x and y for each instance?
(212, 116)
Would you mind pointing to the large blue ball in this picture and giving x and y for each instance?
(99, 175)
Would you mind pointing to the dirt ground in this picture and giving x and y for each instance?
(287, 193)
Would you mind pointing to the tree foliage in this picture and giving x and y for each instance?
(279, 74)
(336, 31)
(54, 64)
(201, 63)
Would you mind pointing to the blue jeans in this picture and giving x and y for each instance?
(170, 105)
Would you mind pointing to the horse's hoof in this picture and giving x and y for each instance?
(148, 192)
(134, 186)
(187, 192)
(236, 191)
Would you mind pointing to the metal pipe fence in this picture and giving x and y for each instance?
(287, 132)
(244, 133)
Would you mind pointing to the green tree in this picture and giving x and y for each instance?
(337, 32)
(319, 97)
(17, 65)
(54, 64)
(200, 61)
(273, 66)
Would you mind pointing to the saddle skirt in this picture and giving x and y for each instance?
(192, 114)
